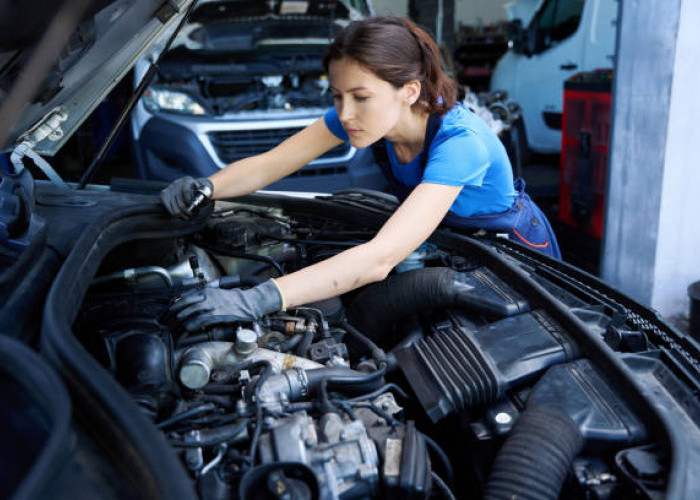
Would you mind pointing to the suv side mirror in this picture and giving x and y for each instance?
(516, 36)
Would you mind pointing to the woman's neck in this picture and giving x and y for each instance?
(408, 135)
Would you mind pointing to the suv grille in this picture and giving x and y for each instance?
(234, 145)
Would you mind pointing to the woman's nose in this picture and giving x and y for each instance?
(345, 111)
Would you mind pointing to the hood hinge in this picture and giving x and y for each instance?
(49, 128)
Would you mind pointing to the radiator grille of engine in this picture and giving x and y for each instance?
(233, 145)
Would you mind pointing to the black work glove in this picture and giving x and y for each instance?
(183, 195)
(199, 309)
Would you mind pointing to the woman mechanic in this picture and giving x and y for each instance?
(442, 161)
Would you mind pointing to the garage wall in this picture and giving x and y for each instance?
(467, 12)
(646, 46)
(651, 242)
(678, 242)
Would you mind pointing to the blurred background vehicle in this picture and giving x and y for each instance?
(550, 41)
(240, 78)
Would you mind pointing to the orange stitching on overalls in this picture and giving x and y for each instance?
(544, 245)
(533, 245)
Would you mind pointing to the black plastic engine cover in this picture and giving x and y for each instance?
(579, 390)
(461, 368)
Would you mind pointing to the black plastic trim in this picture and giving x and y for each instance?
(552, 120)
(152, 466)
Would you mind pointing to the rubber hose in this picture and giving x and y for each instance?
(290, 343)
(353, 383)
(211, 437)
(535, 459)
(383, 304)
(377, 354)
(354, 380)
(304, 344)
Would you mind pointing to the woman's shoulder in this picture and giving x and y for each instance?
(457, 134)
(459, 120)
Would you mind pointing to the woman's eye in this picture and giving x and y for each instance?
(361, 98)
(336, 97)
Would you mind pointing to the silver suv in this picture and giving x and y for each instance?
(240, 78)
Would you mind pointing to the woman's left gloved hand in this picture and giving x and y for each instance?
(199, 309)
(179, 198)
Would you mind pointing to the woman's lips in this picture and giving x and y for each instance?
(353, 131)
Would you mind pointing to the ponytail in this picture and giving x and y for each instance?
(438, 91)
(397, 51)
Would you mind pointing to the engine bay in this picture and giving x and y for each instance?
(430, 383)
(259, 81)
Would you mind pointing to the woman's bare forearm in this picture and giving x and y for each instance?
(250, 174)
(405, 230)
(242, 177)
(341, 273)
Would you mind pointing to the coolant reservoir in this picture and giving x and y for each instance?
(416, 259)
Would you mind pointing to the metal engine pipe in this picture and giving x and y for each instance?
(197, 362)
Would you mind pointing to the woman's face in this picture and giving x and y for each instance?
(369, 108)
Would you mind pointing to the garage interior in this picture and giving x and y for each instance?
(630, 220)
(125, 372)
(647, 246)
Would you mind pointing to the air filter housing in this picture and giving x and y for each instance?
(459, 368)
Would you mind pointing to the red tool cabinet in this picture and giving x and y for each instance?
(584, 150)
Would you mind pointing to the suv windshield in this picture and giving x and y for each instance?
(556, 21)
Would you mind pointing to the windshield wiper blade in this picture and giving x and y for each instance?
(366, 198)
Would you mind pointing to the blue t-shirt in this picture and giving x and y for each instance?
(464, 152)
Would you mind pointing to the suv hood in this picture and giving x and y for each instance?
(244, 26)
(106, 42)
(252, 10)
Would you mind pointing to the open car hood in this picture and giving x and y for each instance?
(107, 41)
(219, 27)
(255, 9)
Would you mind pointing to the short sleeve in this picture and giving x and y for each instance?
(459, 158)
(333, 123)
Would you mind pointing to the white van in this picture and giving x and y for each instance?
(552, 40)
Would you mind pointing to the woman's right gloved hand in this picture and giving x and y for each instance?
(179, 197)
(199, 309)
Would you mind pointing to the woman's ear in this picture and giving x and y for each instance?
(411, 92)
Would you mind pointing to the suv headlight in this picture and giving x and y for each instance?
(156, 99)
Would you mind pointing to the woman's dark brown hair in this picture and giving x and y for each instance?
(397, 51)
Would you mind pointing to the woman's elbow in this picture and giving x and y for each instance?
(380, 267)
(378, 272)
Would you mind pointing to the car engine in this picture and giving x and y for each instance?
(429, 383)
(263, 82)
